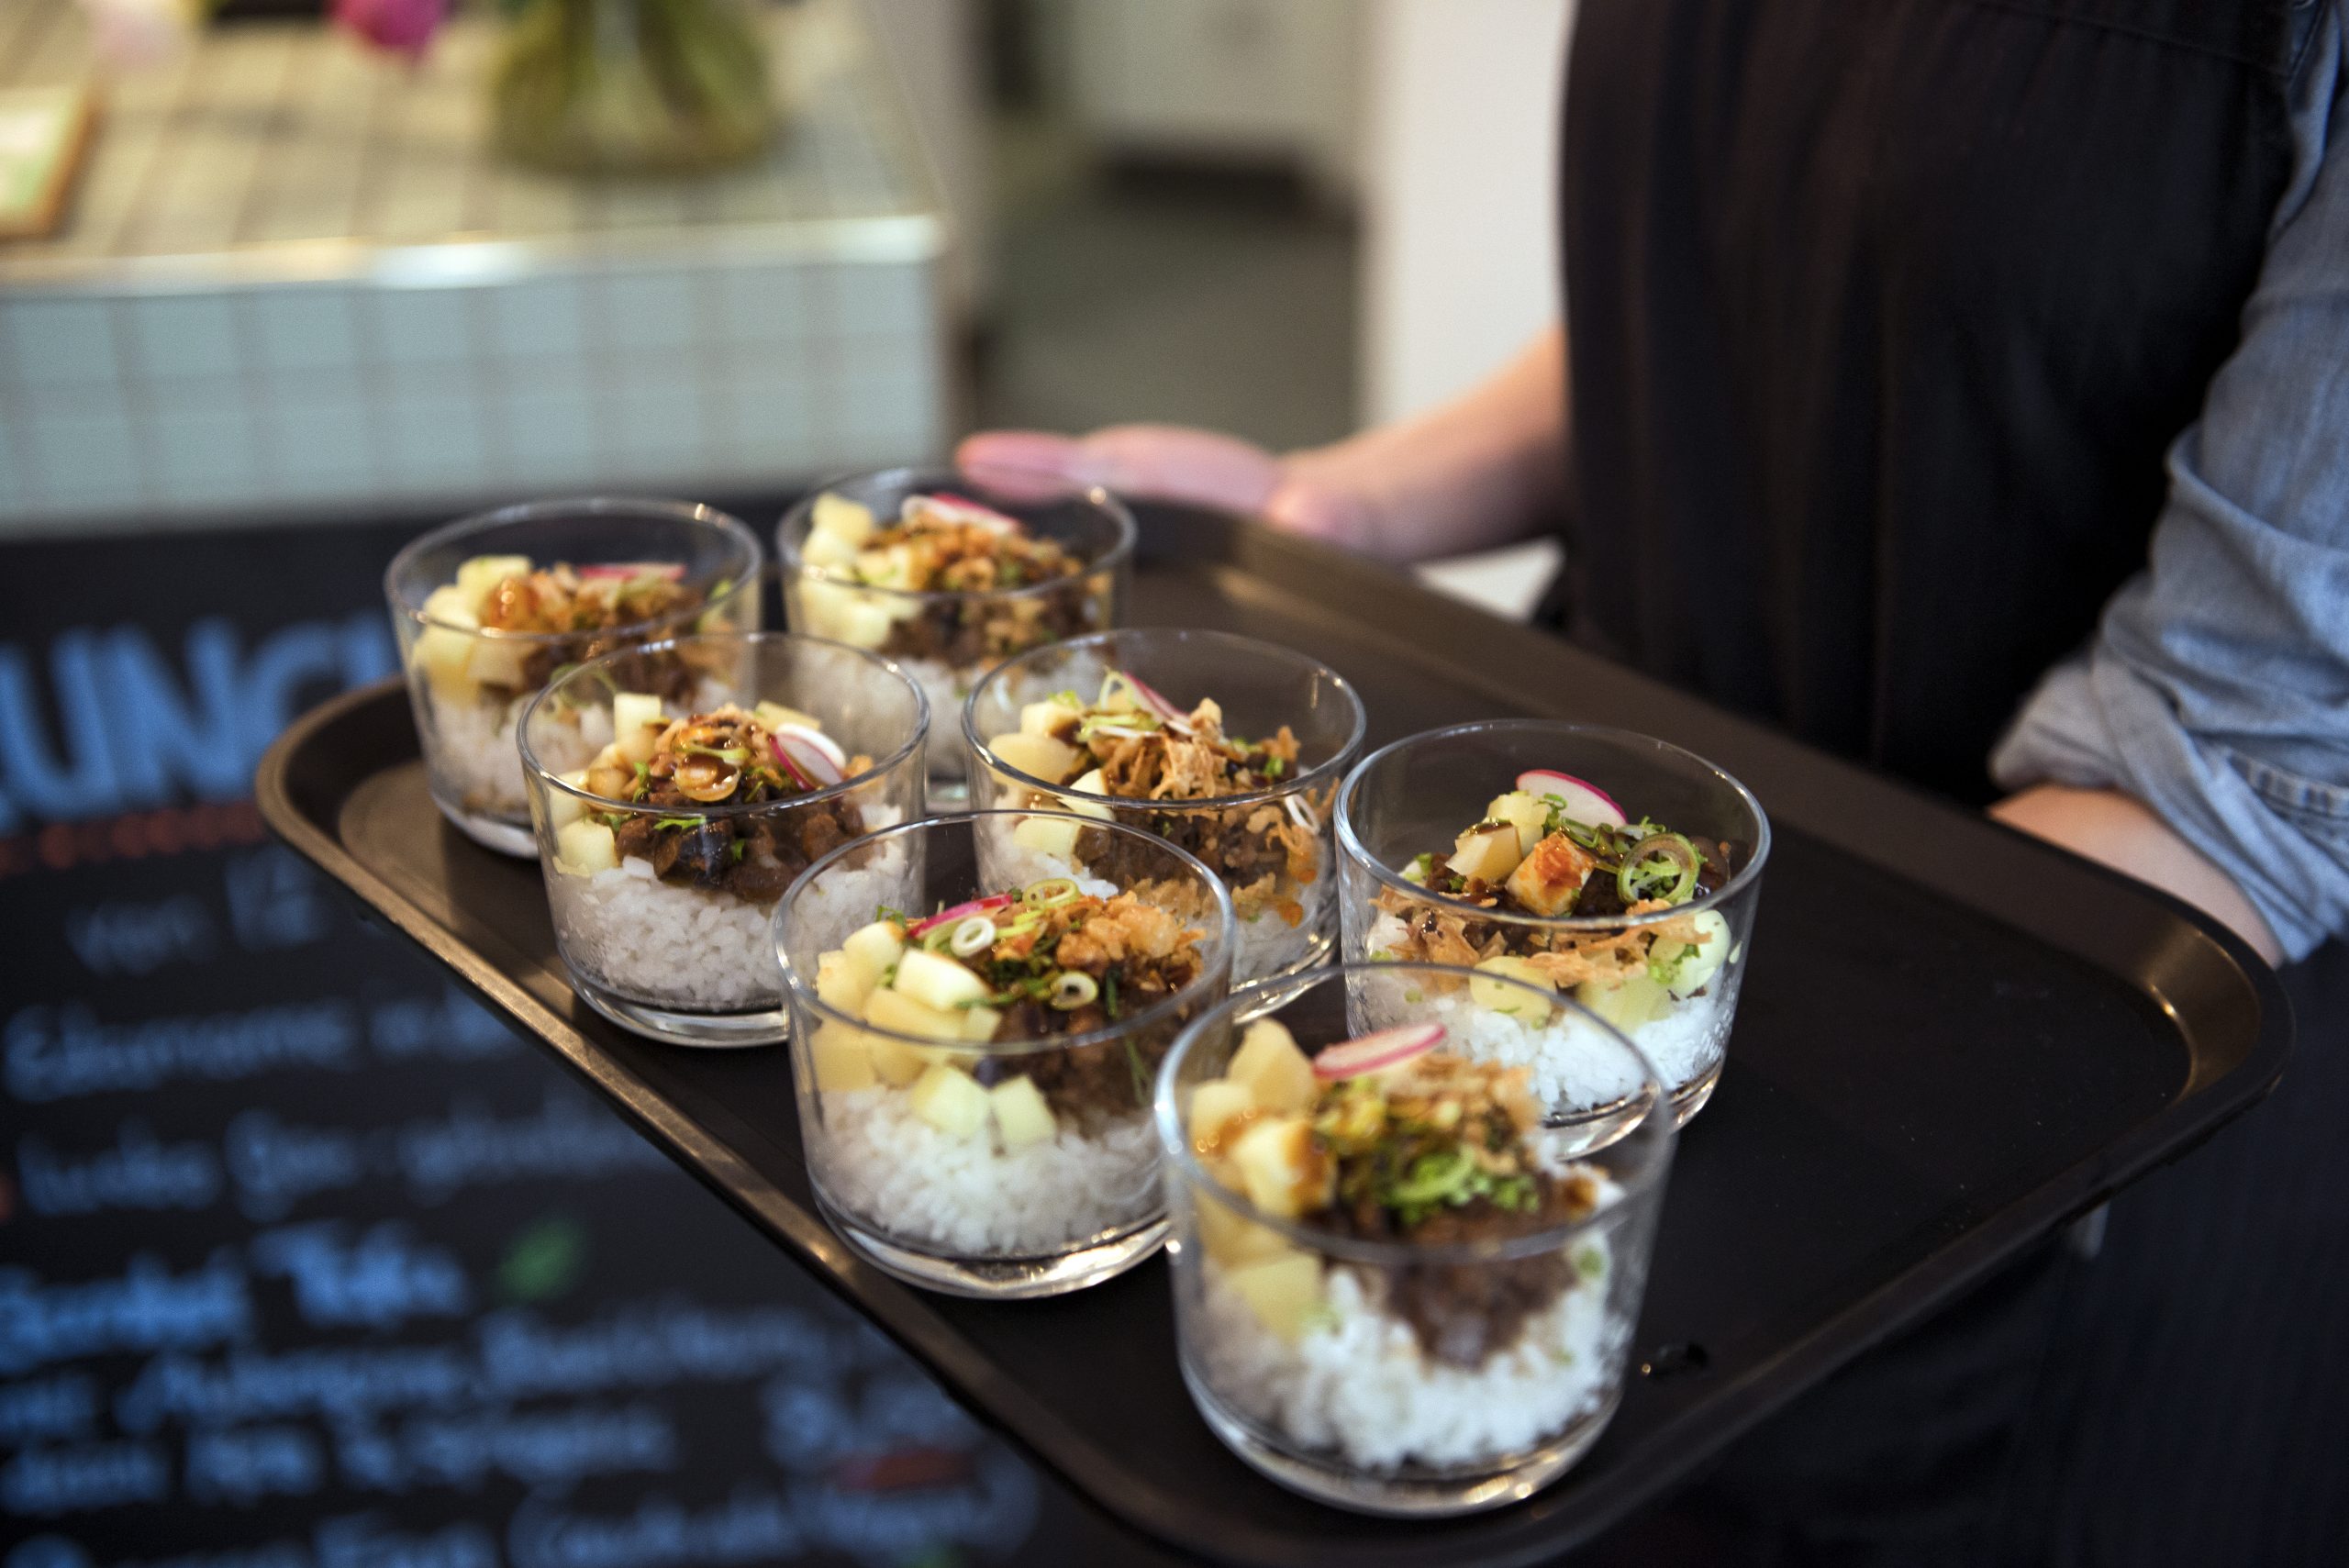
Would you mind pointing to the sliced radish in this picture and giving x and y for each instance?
(810, 763)
(625, 571)
(1375, 1053)
(783, 760)
(948, 507)
(1585, 801)
(964, 912)
(1152, 698)
(1153, 701)
(818, 740)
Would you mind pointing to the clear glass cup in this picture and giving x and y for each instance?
(1669, 980)
(908, 1163)
(1393, 1376)
(949, 640)
(666, 930)
(1273, 848)
(469, 687)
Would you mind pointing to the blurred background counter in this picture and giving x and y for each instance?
(297, 279)
(295, 284)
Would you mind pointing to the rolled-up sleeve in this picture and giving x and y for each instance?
(2216, 689)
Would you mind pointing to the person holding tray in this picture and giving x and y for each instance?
(1956, 386)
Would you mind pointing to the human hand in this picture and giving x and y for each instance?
(1485, 469)
(1203, 468)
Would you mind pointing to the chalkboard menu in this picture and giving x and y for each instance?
(305, 1261)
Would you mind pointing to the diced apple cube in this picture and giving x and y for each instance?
(827, 551)
(1232, 1240)
(841, 1062)
(562, 809)
(979, 1024)
(1091, 784)
(863, 623)
(850, 615)
(586, 848)
(1487, 852)
(895, 1010)
(1020, 1113)
(773, 715)
(636, 724)
(937, 981)
(452, 606)
(1051, 717)
(1551, 876)
(824, 603)
(1508, 1000)
(1037, 756)
(1052, 836)
(445, 655)
(844, 983)
(1283, 1291)
(839, 517)
(877, 946)
(1521, 811)
(896, 1063)
(1281, 1170)
(1633, 1004)
(610, 775)
(1215, 1106)
(1276, 1073)
(889, 567)
(951, 1100)
(476, 578)
(498, 661)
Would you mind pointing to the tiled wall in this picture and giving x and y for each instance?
(292, 397)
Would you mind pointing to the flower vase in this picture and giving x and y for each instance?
(636, 86)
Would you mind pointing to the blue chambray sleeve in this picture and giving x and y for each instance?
(2216, 689)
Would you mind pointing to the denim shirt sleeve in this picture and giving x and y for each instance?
(2216, 689)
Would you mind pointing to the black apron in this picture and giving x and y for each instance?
(1881, 314)
(1881, 317)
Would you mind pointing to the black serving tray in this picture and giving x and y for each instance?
(1951, 1041)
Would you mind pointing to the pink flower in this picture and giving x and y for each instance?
(404, 27)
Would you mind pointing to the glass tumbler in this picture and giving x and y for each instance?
(663, 912)
(948, 640)
(1273, 848)
(470, 686)
(1386, 1374)
(1668, 979)
(1019, 1166)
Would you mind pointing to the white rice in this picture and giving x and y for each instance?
(1355, 1383)
(475, 759)
(1004, 863)
(1269, 945)
(698, 948)
(947, 688)
(966, 1197)
(1572, 1068)
(695, 949)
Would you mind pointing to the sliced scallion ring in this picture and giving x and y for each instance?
(1662, 865)
(1051, 893)
(1072, 989)
(971, 937)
